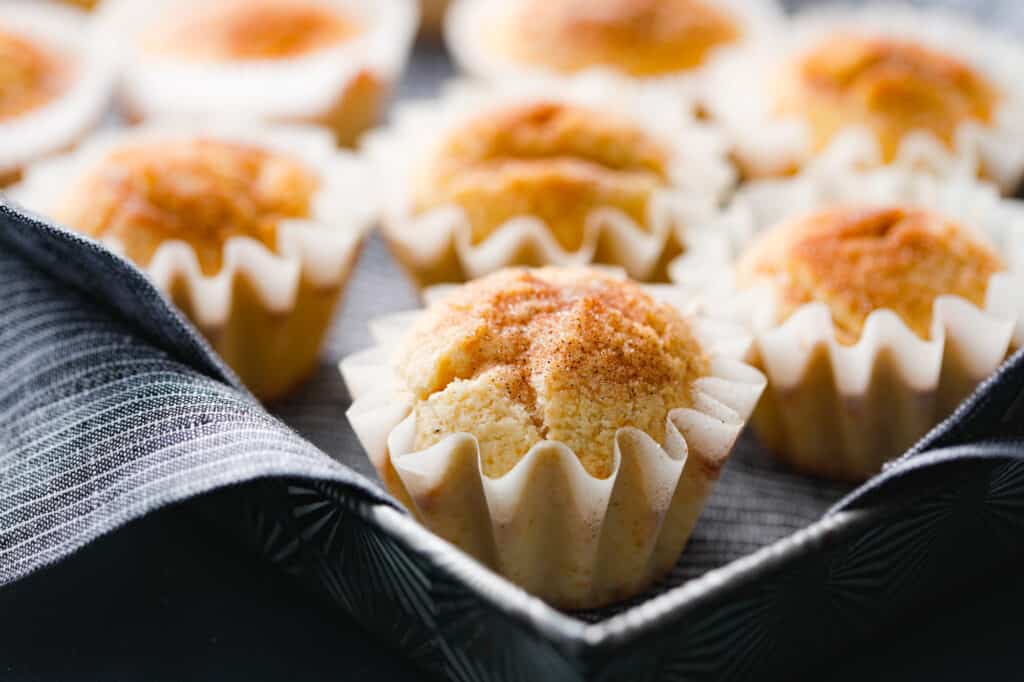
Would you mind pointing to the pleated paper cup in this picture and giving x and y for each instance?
(62, 122)
(344, 88)
(266, 312)
(547, 525)
(435, 246)
(470, 26)
(842, 411)
(739, 94)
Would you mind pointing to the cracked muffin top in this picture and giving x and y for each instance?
(640, 37)
(857, 260)
(197, 190)
(252, 30)
(893, 87)
(563, 354)
(555, 161)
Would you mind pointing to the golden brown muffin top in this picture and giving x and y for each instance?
(857, 260)
(253, 29)
(30, 75)
(84, 4)
(565, 354)
(892, 86)
(200, 191)
(640, 37)
(552, 160)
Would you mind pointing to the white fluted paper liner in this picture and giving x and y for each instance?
(300, 88)
(62, 122)
(739, 94)
(549, 526)
(469, 26)
(843, 410)
(435, 245)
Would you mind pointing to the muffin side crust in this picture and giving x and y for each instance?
(201, 191)
(555, 161)
(569, 355)
(640, 37)
(857, 260)
(893, 87)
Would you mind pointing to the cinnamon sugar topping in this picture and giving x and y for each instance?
(569, 355)
(641, 37)
(857, 260)
(893, 87)
(254, 29)
(555, 161)
(200, 191)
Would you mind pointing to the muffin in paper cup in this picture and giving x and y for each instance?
(53, 89)
(535, 173)
(251, 231)
(878, 301)
(563, 426)
(331, 63)
(663, 41)
(879, 84)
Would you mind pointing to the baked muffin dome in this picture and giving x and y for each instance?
(200, 191)
(858, 260)
(569, 355)
(913, 86)
(556, 161)
(253, 29)
(639, 39)
(53, 88)
(893, 86)
(330, 63)
(31, 75)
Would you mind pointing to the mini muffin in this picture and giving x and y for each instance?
(561, 425)
(331, 63)
(247, 231)
(916, 87)
(634, 38)
(53, 91)
(878, 300)
(536, 174)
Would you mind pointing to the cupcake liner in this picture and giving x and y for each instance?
(842, 411)
(467, 37)
(738, 94)
(266, 312)
(344, 88)
(572, 539)
(64, 121)
(436, 247)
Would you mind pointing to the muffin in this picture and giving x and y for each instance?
(561, 425)
(589, 171)
(252, 232)
(878, 301)
(53, 90)
(915, 87)
(331, 63)
(643, 39)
